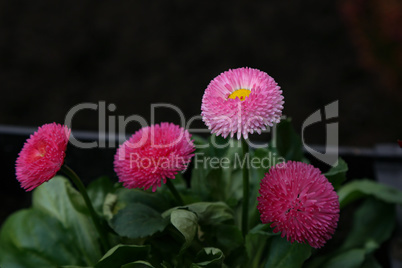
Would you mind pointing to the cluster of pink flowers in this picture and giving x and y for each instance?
(295, 198)
(166, 149)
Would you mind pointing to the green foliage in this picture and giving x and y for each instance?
(149, 229)
(256, 242)
(211, 182)
(209, 258)
(137, 221)
(282, 253)
(186, 222)
(288, 142)
(124, 254)
(357, 189)
(56, 231)
(372, 224)
(337, 174)
(97, 192)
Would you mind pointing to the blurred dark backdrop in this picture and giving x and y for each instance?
(57, 54)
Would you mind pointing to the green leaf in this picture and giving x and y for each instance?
(360, 188)
(138, 221)
(138, 264)
(198, 140)
(373, 223)
(256, 240)
(128, 197)
(282, 253)
(123, 254)
(74, 266)
(215, 176)
(288, 142)
(349, 259)
(209, 257)
(32, 238)
(109, 206)
(97, 192)
(60, 200)
(211, 213)
(337, 175)
(210, 216)
(182, 187)
(185, 222)
(228, 237)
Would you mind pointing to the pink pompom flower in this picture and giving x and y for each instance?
(153, 154)
(241, 101)
(299, 202)
(42, 155)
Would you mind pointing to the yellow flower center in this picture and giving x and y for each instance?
(242, 94)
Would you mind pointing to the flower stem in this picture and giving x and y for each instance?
(174, 191)
(244, 225)
(96, 220)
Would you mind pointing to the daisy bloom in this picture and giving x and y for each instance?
(241, 101)
(299, 202)
(152, 155)
(42, 155)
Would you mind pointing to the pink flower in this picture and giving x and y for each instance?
(153, 154)
(42, 155)
(241, 101)
(299, 202)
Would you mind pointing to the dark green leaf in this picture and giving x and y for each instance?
(74, 266)
(228, 237)
(198, 140)
(97, 191)
(211, 213)
(123, 254)
(282, 253)
(209, 257)
(179, 182)
(288, 142)
(138, 264)
(137, 221)
(59, 199)
(129, 197)
(214, 181)
(215, 175)
(350, 259)
(185, 222)
(337, 175)
(373, 224)
(359, 188)
(32, 238)
(256, 240)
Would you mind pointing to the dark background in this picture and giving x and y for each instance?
(57, 54)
